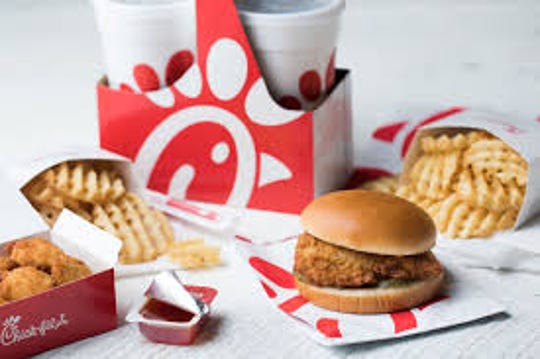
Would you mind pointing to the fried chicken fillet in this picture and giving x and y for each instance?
(327, 265)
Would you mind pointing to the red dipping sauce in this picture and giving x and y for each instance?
(157, 310)
(161, 322)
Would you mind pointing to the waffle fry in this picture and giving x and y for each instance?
(97, 194)
(155, 223)
(408, 193)
(144, 232)
(477, 190)
(382, 184)
(457, 219)
(446, 143)
(49, 214)
(85, 182)
(433, 175)
(497, 160)
(194, 254)
(84, 210)
(38, 192)
(471, 184)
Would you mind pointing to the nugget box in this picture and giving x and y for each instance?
(66, 313)
(216, 135)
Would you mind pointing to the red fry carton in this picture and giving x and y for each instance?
(69, 312)
(216, 135)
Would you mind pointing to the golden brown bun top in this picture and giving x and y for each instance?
(370, 222)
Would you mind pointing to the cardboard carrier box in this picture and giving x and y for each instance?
(216, 135)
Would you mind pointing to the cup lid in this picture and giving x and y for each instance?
(290, 13)
(146, 11)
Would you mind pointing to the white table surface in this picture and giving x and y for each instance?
(404, 53)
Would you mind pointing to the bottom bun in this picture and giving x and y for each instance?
(372, 300)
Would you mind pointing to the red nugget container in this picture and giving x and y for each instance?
(66, 313)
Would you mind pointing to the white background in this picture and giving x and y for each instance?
(482, 53)
(404, 53)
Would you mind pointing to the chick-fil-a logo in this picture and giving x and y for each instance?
(12, 334)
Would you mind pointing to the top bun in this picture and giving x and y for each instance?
(371, 222)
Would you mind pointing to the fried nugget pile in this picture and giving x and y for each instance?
(472, 184)
(96, 191)
(35, 265)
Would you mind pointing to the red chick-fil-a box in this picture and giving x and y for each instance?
(68, 312)
(216, 135)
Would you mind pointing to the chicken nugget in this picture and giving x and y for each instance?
(7, 263)
(68, 269)
(24, 282)
(35, 252)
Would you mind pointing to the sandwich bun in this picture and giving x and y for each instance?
(370, 222)
(372, 300)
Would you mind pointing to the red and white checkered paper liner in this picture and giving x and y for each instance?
(383, 154)
(272, 263)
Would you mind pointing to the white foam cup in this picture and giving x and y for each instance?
(146, 44)
(295, 44)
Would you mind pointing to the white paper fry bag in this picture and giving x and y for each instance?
(272, 262)
(522, 136)
(22, 170)
(394, 146)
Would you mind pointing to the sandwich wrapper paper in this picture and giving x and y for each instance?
(24, 169)
(272, 264)
(518, 249)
